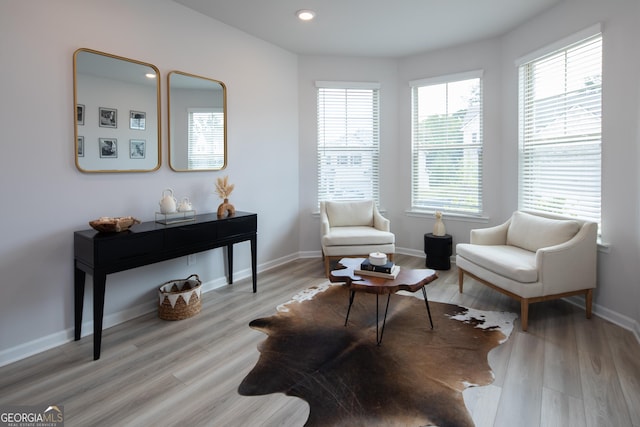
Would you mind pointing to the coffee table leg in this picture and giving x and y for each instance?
(384, 321)
(351, 297)
(426, 301)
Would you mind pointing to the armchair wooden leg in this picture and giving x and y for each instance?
(327, 266)
(460, 279)
(524, 314)
(588, 302)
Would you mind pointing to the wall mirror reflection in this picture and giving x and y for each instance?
(197, 123)
(117, 120)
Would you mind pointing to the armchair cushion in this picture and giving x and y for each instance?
(511, 262)
(343, 214)
(356, 236)
(533, 232)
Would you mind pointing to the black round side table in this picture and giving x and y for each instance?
(438, 250)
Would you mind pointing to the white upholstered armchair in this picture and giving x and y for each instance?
(353, 229)
(533, 258)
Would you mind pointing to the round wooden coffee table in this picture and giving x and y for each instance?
(408, 279)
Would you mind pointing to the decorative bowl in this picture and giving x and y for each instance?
(106, 224)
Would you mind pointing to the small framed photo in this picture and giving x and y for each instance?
(80, 146)
(80, 114)
(137, 148)
(108, 117)
(137, 120)
(108, 148)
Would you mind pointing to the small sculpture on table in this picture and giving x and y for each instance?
(224, 189)
(438, 227)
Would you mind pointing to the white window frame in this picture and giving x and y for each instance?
(560, 129)
(348, 141)
(464, 197)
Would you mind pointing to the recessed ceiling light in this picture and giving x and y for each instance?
(305, 15)
(150, 75)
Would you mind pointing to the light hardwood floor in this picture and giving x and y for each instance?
(566, 371)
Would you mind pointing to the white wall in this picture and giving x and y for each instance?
(618, 294)
(52, 198)
(272, 158)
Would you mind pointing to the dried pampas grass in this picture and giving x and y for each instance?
(223, 188)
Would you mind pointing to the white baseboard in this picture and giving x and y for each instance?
(30, 348)
(409, 251)
(310, 254)
(610, 315)
(56, 339)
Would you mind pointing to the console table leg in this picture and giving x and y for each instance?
(230, 263)
(78, 301)
(99, 281)
(254, 263)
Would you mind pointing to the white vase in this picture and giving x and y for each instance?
(438, 227)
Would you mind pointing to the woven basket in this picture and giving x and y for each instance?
(180, 299)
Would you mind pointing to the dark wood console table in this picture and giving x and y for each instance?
(100, 254)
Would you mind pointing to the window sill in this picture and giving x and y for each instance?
(448, 216)
(603, 247)
(316, 214)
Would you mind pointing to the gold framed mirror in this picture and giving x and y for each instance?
(197, 112)
(117, 113)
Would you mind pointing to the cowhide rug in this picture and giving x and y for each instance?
(414, 378)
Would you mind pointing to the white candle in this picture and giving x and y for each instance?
(377, 258)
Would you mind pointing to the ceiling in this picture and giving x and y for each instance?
(376, 28)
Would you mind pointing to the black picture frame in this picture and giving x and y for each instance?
(80, 114)
(80, 146)
(137, 120)
(107, 117)
(108, 148)
(137, 148)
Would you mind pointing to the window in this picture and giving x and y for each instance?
(447, 144)
(205, 138)
(560, 130)
(348, 141)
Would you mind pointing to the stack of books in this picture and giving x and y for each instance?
(385, 271)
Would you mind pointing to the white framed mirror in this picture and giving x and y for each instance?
(117, 113)
(197, 126)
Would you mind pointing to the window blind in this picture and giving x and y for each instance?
(447, 144)
(560, 96)
(205, 138)
(348, 141)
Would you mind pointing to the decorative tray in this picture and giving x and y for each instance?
(106, 224)
(175, 217)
